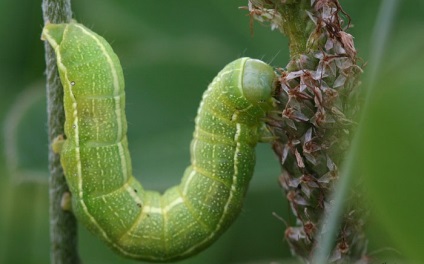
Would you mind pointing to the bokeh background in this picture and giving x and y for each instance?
(170, 51)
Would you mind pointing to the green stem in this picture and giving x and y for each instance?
(63, 225)
(295, 25)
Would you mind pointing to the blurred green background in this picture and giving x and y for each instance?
(170, 51)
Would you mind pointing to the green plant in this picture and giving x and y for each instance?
(318, 108)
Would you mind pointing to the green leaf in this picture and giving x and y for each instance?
(392, 152)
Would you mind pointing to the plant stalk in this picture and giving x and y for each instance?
(63, 225)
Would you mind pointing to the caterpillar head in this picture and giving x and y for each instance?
(258, 83)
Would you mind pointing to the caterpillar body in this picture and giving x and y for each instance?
(107, 199)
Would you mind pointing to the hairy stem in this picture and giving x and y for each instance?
(296, 30)
(63, 225)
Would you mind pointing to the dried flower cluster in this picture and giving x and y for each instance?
(317, 103)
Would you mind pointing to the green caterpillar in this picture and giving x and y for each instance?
(106, 197)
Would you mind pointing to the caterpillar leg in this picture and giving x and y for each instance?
(265, 134)
(57, 144)
(66, 202)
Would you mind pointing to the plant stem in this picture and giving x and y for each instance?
(296, 32)
(63, 225)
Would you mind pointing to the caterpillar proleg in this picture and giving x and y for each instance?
(107, 199)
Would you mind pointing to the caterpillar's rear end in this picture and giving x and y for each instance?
(106, 197)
